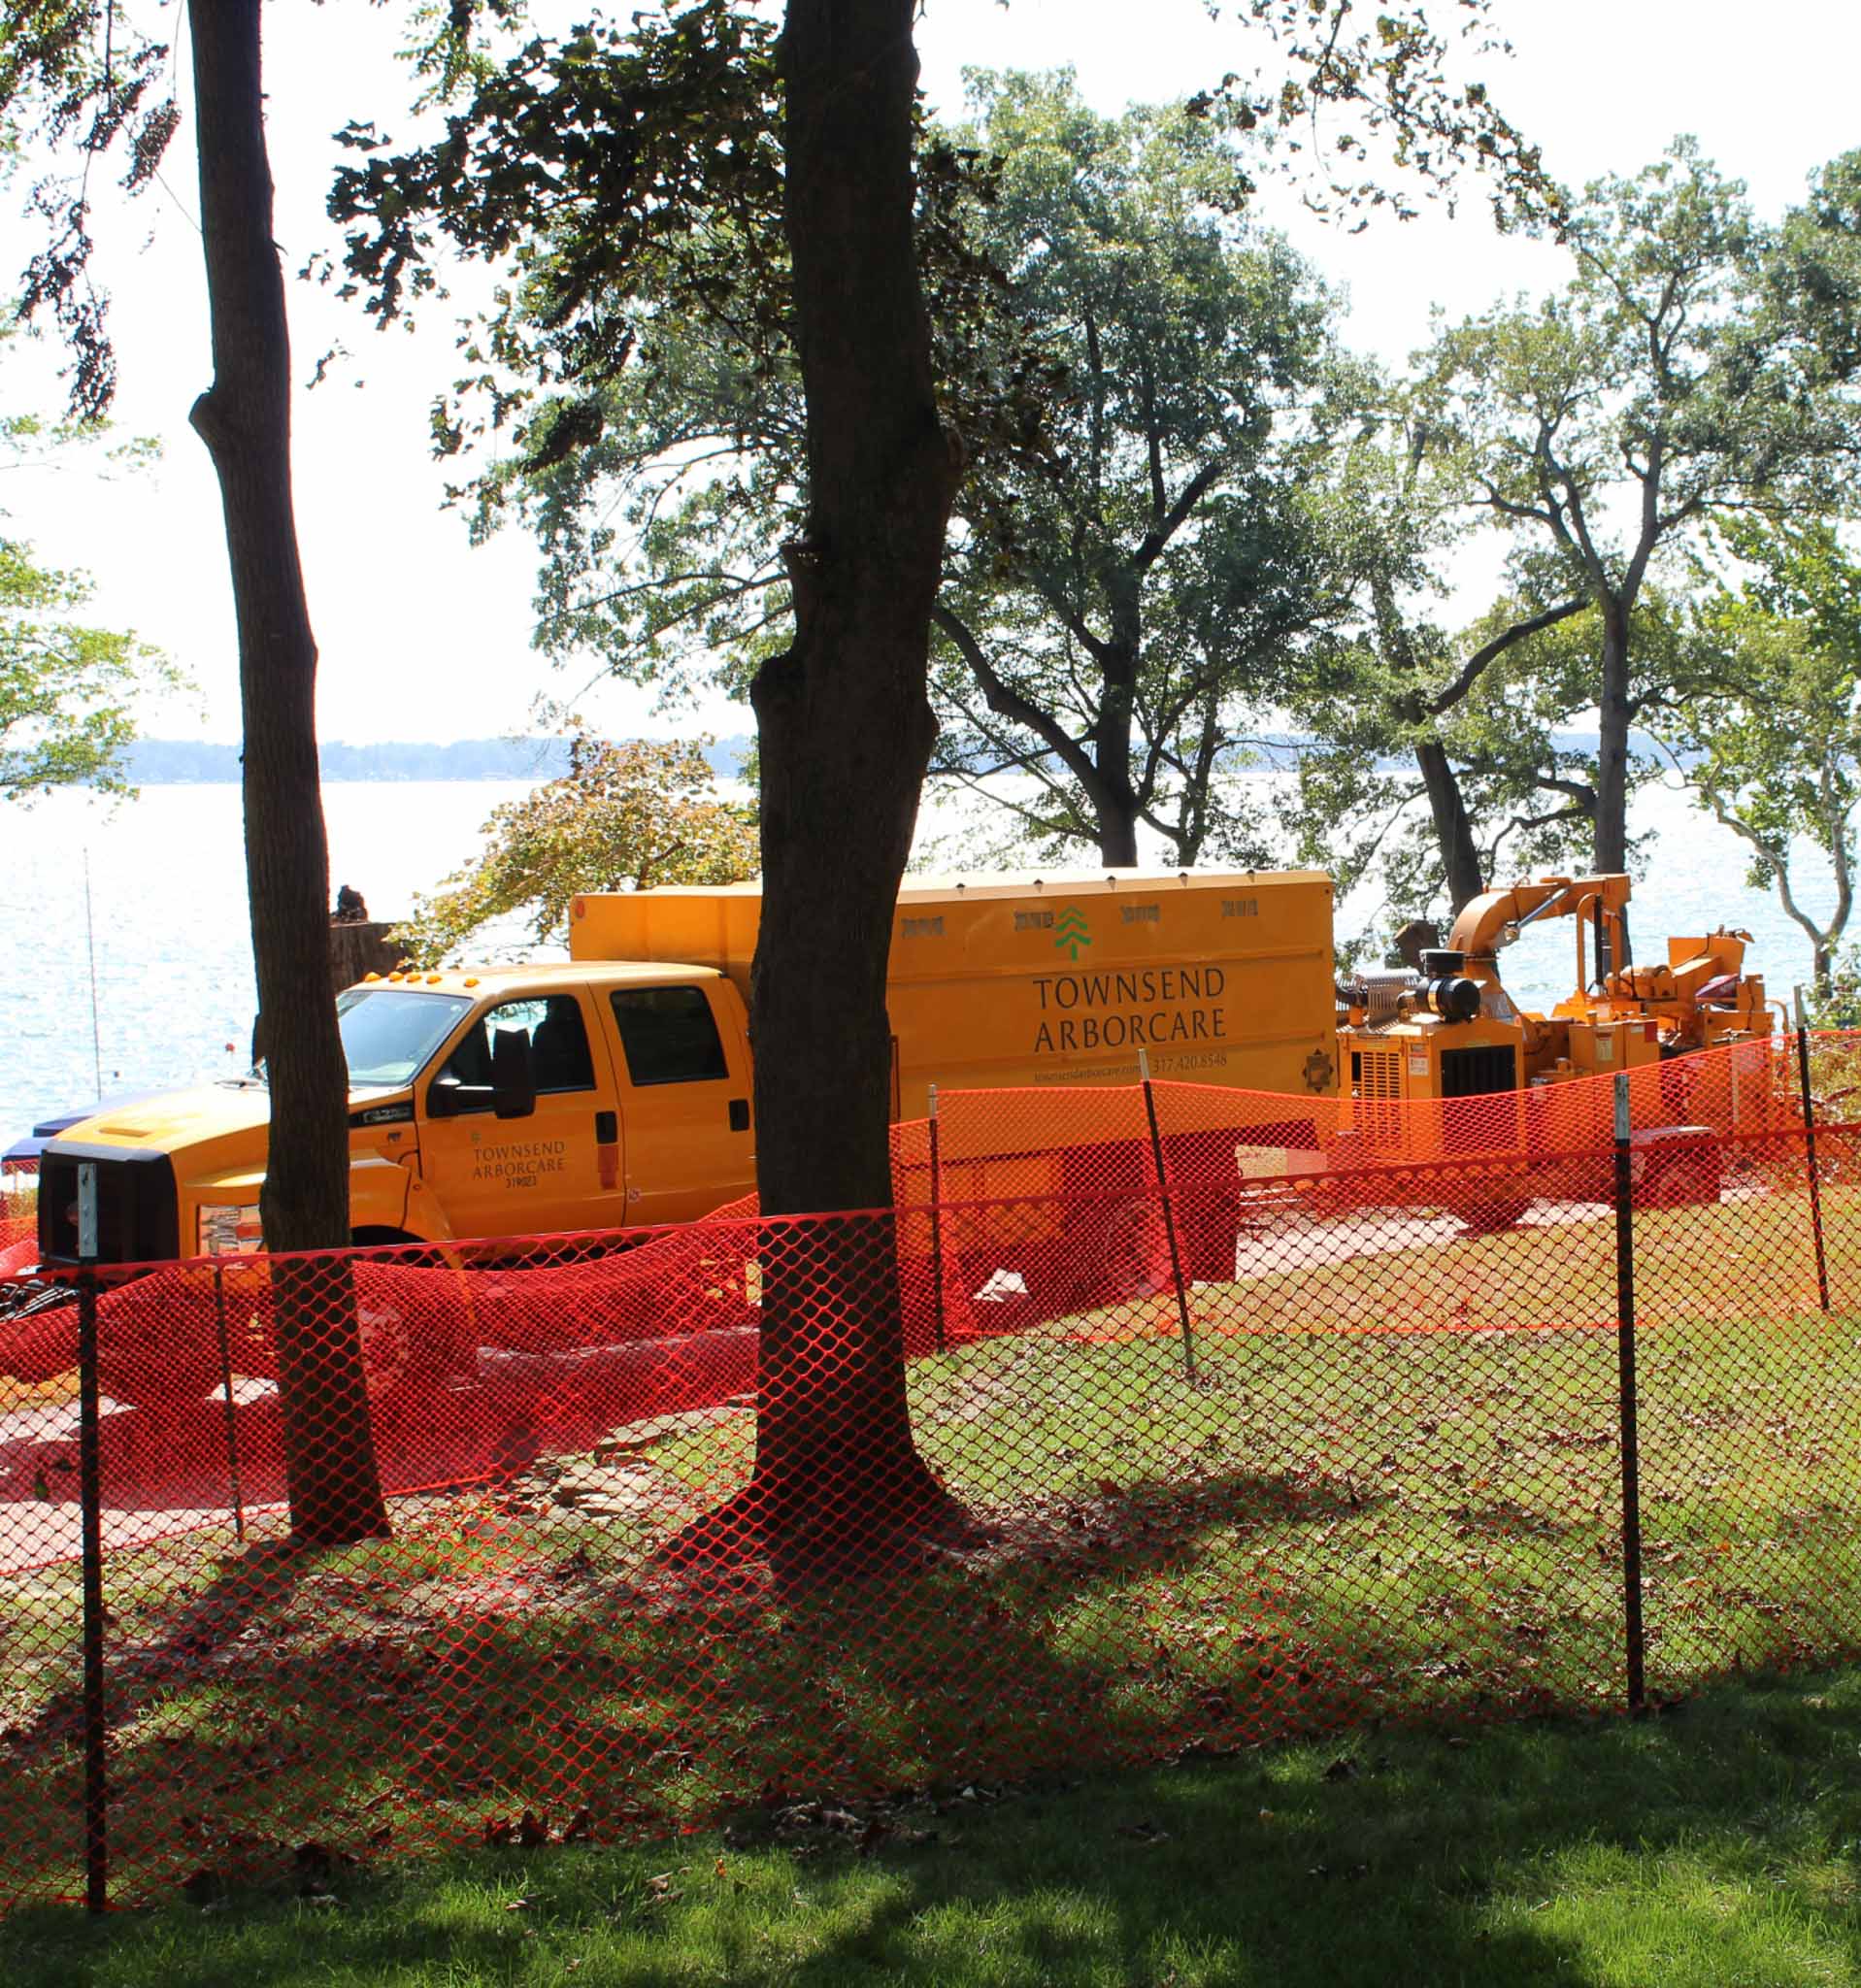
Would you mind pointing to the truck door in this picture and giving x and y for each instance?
(530, 1176)
(684, 1097)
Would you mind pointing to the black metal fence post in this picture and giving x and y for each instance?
(226, 1389)
(1169, 1215)
(1635, 1639)
(91, 1506)
(935, 1227)
(1809, 1151)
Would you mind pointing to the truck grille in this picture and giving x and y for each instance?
(138, 1211)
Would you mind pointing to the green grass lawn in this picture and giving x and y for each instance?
(1344, 1513)
(1715, 1847)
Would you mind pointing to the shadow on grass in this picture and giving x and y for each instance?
(1712, 1848)
(1299, 1540)
(430, 1692)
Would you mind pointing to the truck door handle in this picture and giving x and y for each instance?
(739, 1114)
(606, 1127)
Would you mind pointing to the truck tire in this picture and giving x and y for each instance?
(1208, 1233)
(416, 1316)
(1132, 1260)
(1491, 1214)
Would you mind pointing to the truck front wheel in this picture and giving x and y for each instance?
(414, 1311)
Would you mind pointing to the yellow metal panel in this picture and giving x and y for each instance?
(1220, 977)
(1600, 1049)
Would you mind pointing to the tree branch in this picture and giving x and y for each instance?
(1006, 702)
(1191, 494)
(1070, 618)
(1489, 653)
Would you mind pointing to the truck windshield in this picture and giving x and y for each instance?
(389, 1032)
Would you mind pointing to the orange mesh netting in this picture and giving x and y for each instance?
(18, 1242)
(1116, 1437)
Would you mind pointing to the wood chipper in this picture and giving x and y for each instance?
(1447, 1033)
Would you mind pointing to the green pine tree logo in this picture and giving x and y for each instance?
(1070, 932)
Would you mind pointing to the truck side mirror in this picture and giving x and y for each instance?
(512, 1073)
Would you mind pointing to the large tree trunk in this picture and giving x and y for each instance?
(1453, 831)
(244, 420)
(1118, 832)
(1113, 728)
(847, 730)
(1612, 759)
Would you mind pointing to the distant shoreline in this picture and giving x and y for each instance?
(196, 763)
(199, 763)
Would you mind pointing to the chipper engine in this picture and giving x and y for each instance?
(1446, 1028)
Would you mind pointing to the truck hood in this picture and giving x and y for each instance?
(23, 1152)
(170, 1120)
(175, 1118)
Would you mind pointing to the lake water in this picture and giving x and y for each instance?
(173, 956)
(175, 998)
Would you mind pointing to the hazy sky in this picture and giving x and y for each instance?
(424, 636)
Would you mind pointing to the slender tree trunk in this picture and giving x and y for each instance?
(244, 420)
(1453, 830)
(846, 729)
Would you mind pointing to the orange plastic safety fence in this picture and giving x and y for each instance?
(18, 1239)
(1147, 1419)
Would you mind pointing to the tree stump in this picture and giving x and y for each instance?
(359, 950)
(356, 949)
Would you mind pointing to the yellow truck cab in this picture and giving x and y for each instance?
(614, 1089)
(500, 1102)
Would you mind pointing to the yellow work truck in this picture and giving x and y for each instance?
(614, 1089)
